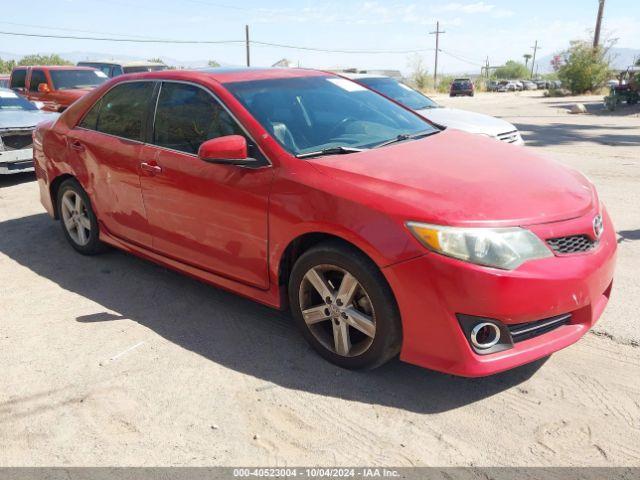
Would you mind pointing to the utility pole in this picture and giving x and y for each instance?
(533, 60)
(246, 36)
(435, 69)
(596, 36)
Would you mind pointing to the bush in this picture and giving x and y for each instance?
(53, 59)
(512, 70)
(7, 65)
(584, 68)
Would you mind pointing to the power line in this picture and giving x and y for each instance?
(211, 42)
(462, 59)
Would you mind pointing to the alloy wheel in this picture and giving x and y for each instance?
(75, 217)
(337, 310)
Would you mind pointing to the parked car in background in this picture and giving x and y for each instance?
(529, 85)
(506, 86)
(383, 234)
(492, 86)
(114, 68)
(56, 87)
(519, 85)
(461, 86)
(542, 84)
(471, 122)
(4, 81)
(18, 119)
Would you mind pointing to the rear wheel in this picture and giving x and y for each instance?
(78, 220)
(344, 307)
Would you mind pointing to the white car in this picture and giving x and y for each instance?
(447, 117)
(18, 118)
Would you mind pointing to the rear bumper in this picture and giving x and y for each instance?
(432, 289)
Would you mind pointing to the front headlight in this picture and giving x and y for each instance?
(505, 248)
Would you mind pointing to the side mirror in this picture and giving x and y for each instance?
(43, 88)
(227, 150)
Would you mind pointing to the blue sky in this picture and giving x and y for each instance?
(498, 29)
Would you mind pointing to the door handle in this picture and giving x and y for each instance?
(76, 145)
(151, 168)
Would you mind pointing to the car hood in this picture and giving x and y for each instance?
(453, 178)
(467, 121)
(23, 119)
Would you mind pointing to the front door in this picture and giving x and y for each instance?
(213, 217)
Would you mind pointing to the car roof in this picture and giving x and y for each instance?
(54, 67)
(357, 76)
(138, 63)
(231, 74)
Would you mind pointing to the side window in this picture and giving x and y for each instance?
(116, 70)
(187, 116)
(18, 78)
(123, 110)
(37, 77)
(90, 120)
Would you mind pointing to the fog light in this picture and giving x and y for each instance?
(485, 335)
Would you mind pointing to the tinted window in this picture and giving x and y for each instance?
(399, 92)
(18, 78)
(12, 101)
(37, 77)
(187, 116)
(90, 120)
(309, 114)
(123, 110)
(70, 79)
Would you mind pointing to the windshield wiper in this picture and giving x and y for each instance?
(405, 136)
(331, 151)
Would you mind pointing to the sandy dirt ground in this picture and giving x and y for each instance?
(112, 360)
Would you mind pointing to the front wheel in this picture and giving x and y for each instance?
(79, 222)
(344, 307)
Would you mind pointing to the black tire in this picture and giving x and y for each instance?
(93, 246)
(388, 328)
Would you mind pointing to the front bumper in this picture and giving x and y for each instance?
(432, 289)
(16, 161)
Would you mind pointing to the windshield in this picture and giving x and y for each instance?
(70, 79)
(309, 114)
(399, 92)
(13, 102)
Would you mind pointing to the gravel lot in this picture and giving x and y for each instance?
(112, 360)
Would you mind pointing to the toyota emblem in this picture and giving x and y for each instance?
(597, 226)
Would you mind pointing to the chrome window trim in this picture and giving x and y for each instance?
(161, 81)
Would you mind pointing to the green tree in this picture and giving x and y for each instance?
(512, 70)
(584, 68)
(155, 60)
(419, 73)
(53, 59)
(213, 64)
(7, 65)
(527, 57)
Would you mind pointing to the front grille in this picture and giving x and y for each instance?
(17, 141)
(509, 137)
(571, 244)
(524, 331)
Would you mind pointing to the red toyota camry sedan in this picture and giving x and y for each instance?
(300, 189)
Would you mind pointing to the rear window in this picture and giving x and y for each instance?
(70, 79)
(145, 68)
(18, 78)
(122, 112)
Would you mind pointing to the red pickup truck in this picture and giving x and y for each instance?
(56, 87)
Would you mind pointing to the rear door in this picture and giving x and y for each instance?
(210, 216)
(18, 80)
(108, 143)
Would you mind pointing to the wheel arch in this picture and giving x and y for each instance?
(302, 243)
(53, 191)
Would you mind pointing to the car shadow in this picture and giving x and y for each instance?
(12, 179)
(229, 330)
(559, 133)
(628, 235)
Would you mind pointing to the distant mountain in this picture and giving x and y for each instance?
(621, 58)
(77, 56)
